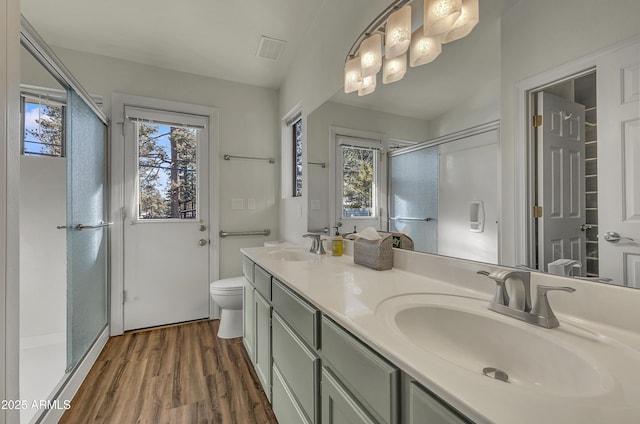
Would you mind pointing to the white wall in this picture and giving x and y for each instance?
(43, 248)
(483, 103)
(248, 126)
(318, 145)
(538, 36)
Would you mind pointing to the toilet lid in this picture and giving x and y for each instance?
(228, 284)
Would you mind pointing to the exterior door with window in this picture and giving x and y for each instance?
(166, 226)
(359, 175)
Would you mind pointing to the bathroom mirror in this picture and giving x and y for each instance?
(472, 85)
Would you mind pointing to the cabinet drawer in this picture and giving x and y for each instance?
(425, 408)
(262, 281)
(373, 380)
(297, 365)
(247, 268)
(300, 316)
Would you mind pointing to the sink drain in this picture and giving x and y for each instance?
(496, 374)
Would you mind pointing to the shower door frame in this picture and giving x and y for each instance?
(70, 383)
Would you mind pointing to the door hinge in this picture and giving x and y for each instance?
(124, 296)
(537, 211)
(536, 121)
(123, 213)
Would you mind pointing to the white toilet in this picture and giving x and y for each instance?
(227, 296)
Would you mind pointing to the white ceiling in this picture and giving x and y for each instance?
(207, 37)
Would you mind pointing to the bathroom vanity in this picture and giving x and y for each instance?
(332, 341)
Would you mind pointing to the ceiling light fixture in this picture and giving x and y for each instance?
(444, 21)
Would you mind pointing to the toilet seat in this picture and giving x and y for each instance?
(227, 286)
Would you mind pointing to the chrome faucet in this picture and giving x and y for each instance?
(316, 245)
(520, 306)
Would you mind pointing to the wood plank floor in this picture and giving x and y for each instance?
(176, 374)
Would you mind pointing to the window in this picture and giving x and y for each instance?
(359, 174)
(297, 155)
(42, 126)
(167, 171)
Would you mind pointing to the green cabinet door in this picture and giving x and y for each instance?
(248, 319)
(263, 342)
(338, 406)
(425, 408)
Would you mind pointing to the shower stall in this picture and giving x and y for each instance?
(63, 232)
(443, 193)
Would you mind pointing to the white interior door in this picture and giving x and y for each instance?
(166, 229)
(618, 81)
(561, 181)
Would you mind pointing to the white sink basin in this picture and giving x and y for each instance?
(292, 254)
(463, 332)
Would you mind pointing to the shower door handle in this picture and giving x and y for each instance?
(102, 224)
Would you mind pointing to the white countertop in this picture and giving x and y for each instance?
(351, 294)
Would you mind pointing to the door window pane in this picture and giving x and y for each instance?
(358, 181)
(167, 171)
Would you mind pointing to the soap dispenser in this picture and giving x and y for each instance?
(336, 244)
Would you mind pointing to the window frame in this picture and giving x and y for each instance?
(367, 139)
(139, 115)
(51, 95)
(27, 97)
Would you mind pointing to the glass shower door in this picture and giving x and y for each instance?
(86, 228)
(413, 197)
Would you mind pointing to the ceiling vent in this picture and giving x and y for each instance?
(270, 48)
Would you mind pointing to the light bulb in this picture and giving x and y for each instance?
(398, 32)
(468, 19)
(352, 76)
(371, 55)
(440, 16)
(394, 69)
(424, 49)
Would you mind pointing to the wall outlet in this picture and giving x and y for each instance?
(251, 204)
(237, 203)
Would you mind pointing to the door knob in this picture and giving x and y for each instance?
(202, 242)
(613, 237)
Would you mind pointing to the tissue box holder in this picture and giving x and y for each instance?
(375, 254)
